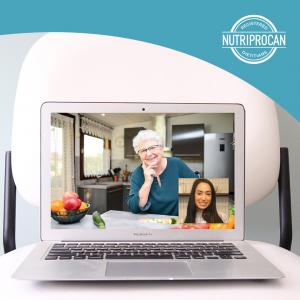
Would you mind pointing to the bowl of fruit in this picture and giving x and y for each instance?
(70, 210)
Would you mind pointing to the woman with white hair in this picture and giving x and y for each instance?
(154, 184)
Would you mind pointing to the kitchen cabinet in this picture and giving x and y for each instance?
(129, 134)
(102, 200)
(95, 197)
(188, 141)
(126, 191)
(114, 198)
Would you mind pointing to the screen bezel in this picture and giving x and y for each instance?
(142, 234)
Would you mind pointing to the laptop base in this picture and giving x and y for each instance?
(35, 267)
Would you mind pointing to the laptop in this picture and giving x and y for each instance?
(142, 245)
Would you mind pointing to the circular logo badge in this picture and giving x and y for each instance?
(254, 39)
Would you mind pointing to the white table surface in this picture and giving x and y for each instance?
(286, 288)
(115, 219)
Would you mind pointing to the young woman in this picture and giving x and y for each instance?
(202, 204)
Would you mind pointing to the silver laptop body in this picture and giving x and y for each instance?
(35, 267)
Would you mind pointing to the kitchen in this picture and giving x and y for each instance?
(113, 133)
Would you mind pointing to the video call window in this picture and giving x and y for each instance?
(199, 195)
(115, 152)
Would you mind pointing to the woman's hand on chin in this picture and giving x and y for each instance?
(149, 172)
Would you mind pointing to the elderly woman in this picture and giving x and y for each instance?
(154, 184)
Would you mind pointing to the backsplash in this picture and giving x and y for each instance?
(221, 185)
(132, 164)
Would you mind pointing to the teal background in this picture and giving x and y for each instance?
(192, 27)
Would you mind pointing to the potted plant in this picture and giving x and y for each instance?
(116, 173)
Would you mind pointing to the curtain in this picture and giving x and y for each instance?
(96, 160)
(62, 156)
(96, 129)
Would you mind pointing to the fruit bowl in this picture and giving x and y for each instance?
(71, 216)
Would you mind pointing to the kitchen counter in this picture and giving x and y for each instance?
(104, 185)
(117, 220)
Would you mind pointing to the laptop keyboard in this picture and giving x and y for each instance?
(67, 251)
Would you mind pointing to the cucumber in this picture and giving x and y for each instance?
(98, 221)
(172, 221)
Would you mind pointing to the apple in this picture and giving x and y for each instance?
(72, 203)
(68, 195)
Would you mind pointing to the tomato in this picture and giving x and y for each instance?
(185, 226)
(194, 227)
(202, 226)
(175, 228)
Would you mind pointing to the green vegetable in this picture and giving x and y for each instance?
(98, 221)
(154, 221)
(172, 221)
(157, 221)
(231, 210)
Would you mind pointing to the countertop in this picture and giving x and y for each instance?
(117, 220)
(104, 185)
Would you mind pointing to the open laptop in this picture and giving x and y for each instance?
(142, 246)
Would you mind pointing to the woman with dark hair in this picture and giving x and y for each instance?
(202, 204)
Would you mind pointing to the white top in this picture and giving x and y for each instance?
(199, 218)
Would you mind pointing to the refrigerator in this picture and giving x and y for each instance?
(219, 157)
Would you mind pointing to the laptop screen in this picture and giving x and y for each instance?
(142, 170)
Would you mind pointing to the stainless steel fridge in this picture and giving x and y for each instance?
(219, 157)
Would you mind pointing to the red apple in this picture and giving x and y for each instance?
(68, 195)
(72, 203)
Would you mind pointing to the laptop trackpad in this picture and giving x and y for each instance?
(145, 269)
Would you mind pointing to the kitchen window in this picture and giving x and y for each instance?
(95, 148)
